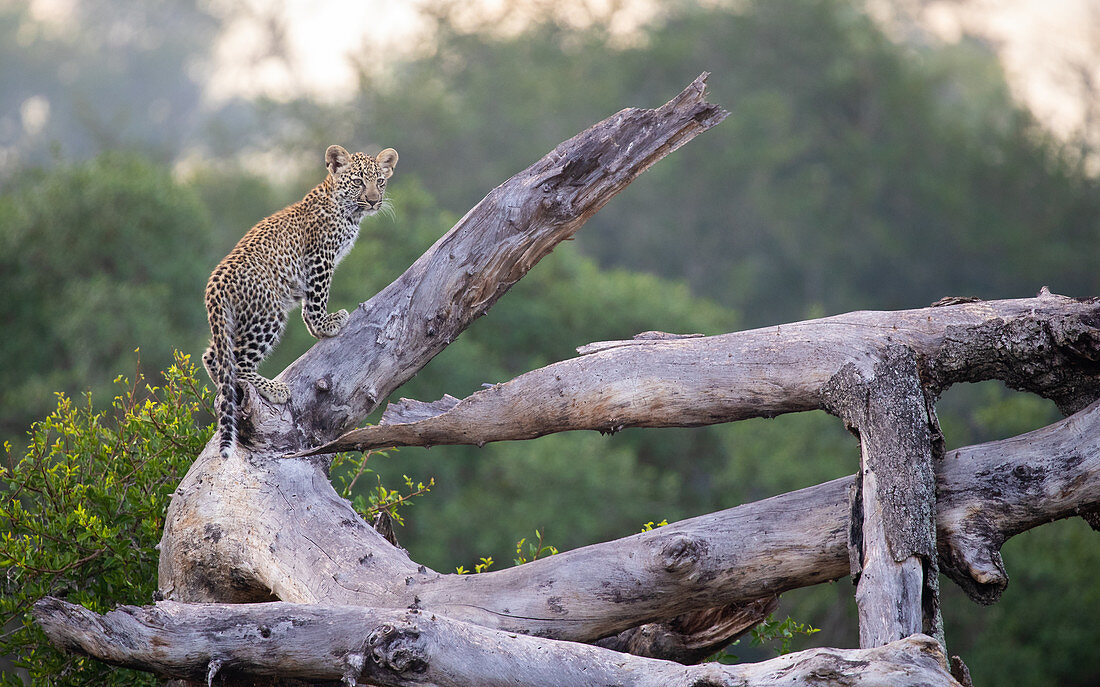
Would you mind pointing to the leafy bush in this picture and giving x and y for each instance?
(83, 508)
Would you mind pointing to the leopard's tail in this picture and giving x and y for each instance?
(225, 364)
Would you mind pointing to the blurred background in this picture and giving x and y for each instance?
(879, 155)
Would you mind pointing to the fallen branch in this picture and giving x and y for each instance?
(410, 647)
(1049, 345)
(986, 494)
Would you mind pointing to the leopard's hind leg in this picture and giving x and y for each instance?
(253, 343)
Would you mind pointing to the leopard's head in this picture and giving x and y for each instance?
(359, 180)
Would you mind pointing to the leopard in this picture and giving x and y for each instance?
(285, 260)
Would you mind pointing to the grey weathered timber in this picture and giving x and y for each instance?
(788, 541)
(893, 535)
(1049, 345)
(870, 369)
(991, 492)
(692, 637)
(407, 647)
(225, 538)
(986, 494)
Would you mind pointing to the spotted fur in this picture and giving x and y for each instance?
(286, 259)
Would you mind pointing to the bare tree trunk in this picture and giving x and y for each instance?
(225, 537)
(893, 528)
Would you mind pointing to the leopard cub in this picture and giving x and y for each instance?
(286, 259)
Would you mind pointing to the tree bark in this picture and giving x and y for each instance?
(692, 637)
(1049, 345)
(893, 529)
(987, 493)
(407, 647)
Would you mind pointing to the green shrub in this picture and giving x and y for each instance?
(83, 508)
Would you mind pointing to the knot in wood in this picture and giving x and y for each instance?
(397, 649)
(711, 675)
(681, 554)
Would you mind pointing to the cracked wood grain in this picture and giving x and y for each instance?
(1049, 345)
(411, 647)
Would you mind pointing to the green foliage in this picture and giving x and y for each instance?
(345, 472)
(650, 526)
(527, 551)
(83, 508)
(777, 633)
(485, 563)
(782, 631)
(96, 259)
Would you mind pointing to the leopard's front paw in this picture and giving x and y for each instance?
(333, 323)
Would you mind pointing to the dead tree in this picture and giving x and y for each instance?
(265, 524)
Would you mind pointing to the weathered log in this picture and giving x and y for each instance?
(991, 492)
(986, 494)
(788, 541)
(733, 556)
(411, 647)
(868, 368)
(255, 527)
(1049, 345)
(691, 637)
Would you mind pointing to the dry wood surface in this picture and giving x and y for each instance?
(411, 647)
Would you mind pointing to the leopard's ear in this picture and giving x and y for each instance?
(336, 159)
(387, 160)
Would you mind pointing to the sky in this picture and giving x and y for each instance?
(1044, 45)
(1037, 41)
(318, 53)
